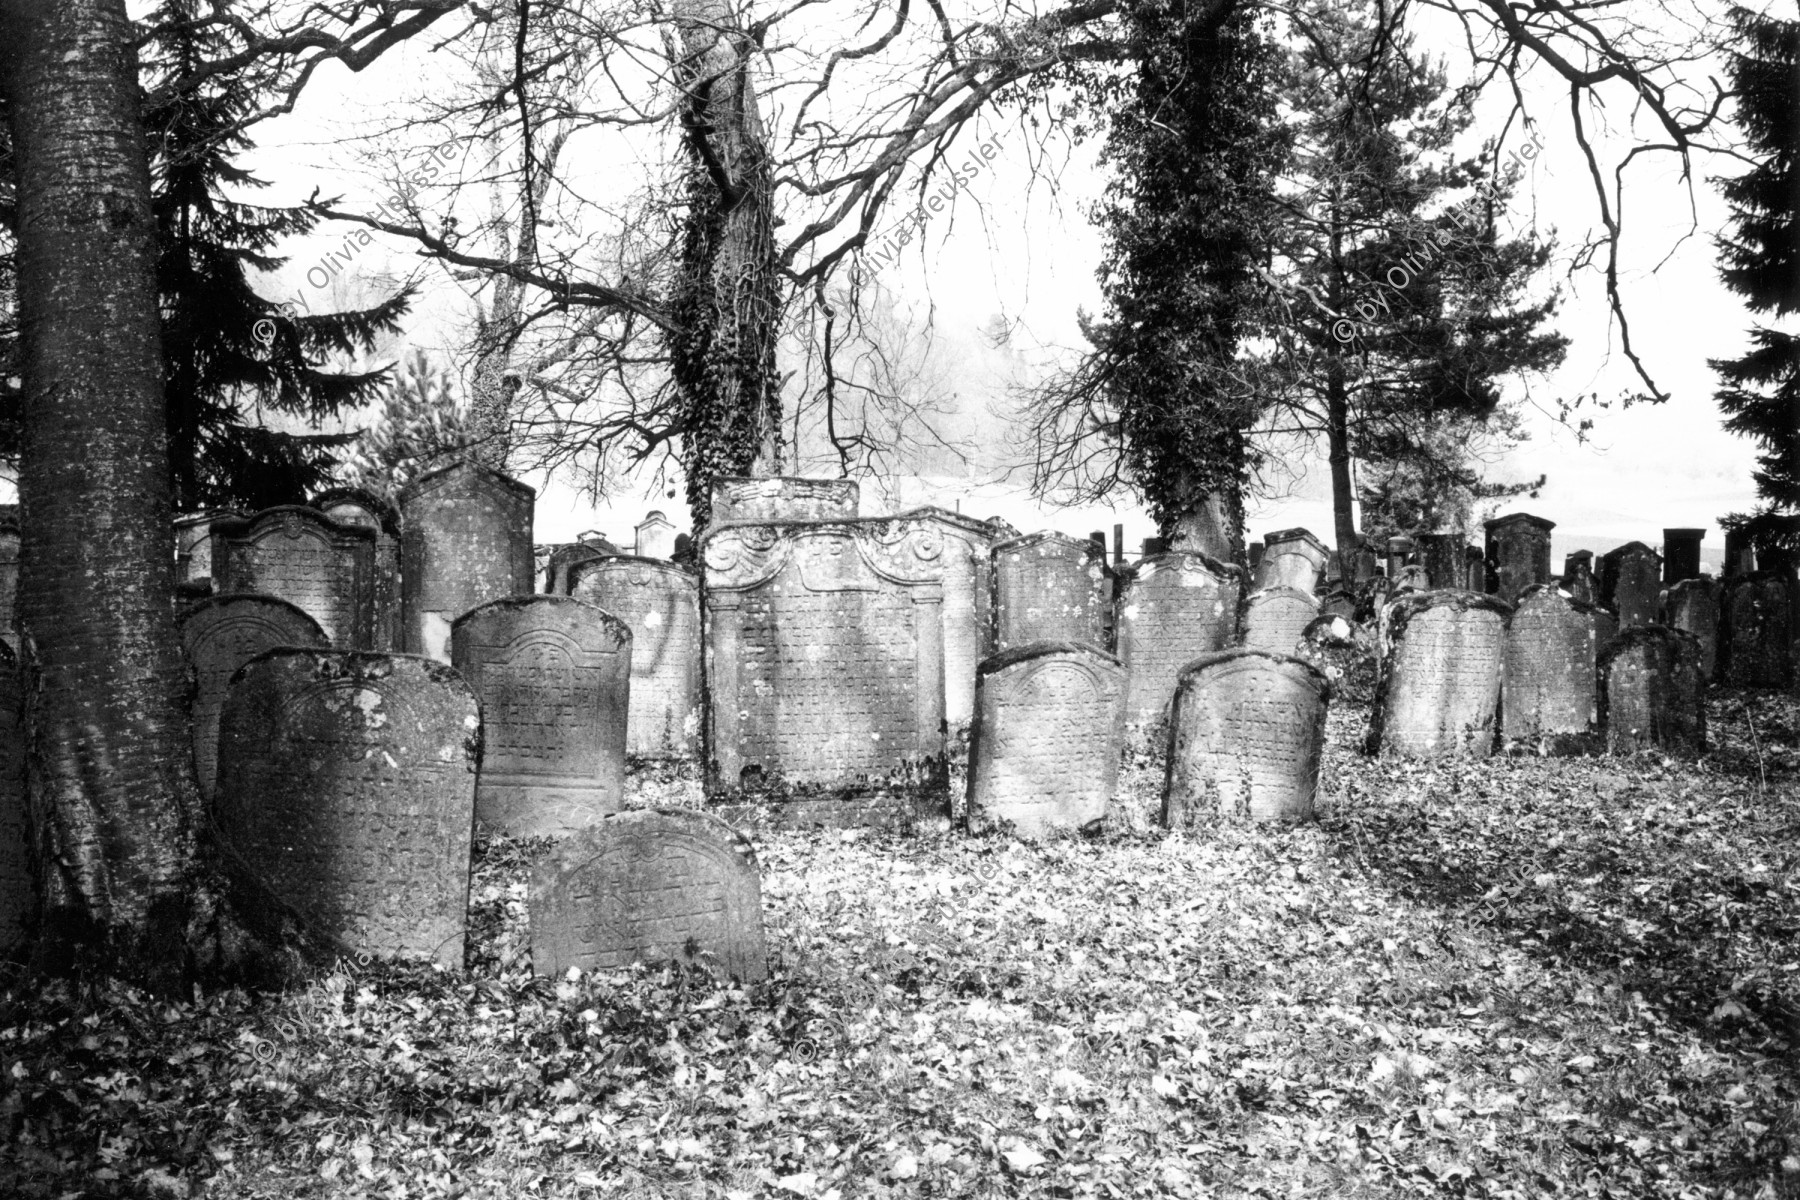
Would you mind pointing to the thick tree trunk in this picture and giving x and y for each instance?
(113, 803)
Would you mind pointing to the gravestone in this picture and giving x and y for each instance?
(347, 789)
(783, 498)
(968, 607)
(552, 674)
(1253, 555)
(1518, 554)
(1606, 628)
(1445, 559)
(1274, 618)
(300, 555)
(650, 885)
(1245, 739)
(1548, 702)
(1412, 578)
(16, 896)
(1044, 750)
(1172, 609)
(1631, 581)
(1652, 695)
(1049, 588)
(1475, 560)
(1692, 606)
(221, 634)
(1438, 691)
(1681, 554)
(1291, 558)
(1344, 653)
(193, 548)
(1153, 547)
(354, 506)
(660, 602)
(1399, 554)
(654, 536)
(465, 539)
(824, 672)
(1338, 604)
(566, 559)
(1758, 631)
(1740, 554)
(1578, 577)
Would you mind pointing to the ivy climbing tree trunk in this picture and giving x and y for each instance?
(113, 803)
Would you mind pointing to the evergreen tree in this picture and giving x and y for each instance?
(1761, 262)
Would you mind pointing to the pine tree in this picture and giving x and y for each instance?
(1760, 261)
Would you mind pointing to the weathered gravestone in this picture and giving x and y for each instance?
(1399, 554)
(193, 548)
(1578, 577)
(1274, 618)
(1444, 556)
(1758, 633)
(1740, 554)
(654, 536)
(651, 885)
(465, 539)
(1344, 653)
(566, 561)
(1171, 610)
(1652, 695)
(824, 670)
(1518, 554)
(783, 498)
(1692, 606)
(1631, 581)
(16, 897)
(304, 557)
(1339, 603)
(1438, 691)
(1049, 588)
(1245, 739)
(552, 674)
(1548, 702)
(660, 602)
(221, 634)
(1044, 752)
(354, 506)
(968, 607)
(1291, 558)
(1681, 554)
(347, 789)
(1475, 559)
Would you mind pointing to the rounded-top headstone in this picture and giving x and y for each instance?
(1273, 618)
(1438, 691)
(660, 601)
(359, 506)
(1549, 704)
(1245, 738)
(298, 553)
(1652, 695)
(649, 885)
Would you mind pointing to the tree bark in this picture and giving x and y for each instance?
(1343, 495)
(113, 804)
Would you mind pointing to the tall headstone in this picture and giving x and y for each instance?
(1631, 581)
(1399, 554)
(968, 607)
(1049, 588)
(1692, 606)
(660, 602)
(1438, 692)
(651, 885)
(1344, 653)
(1518, 554)
(193, 548)
(1758, 631)
(1274, 618)
(1652, 695)
(1740, 553)
(347, 788)
(1291, 558)
(221, 634)
(1245, 739)
(1044, 752)
(16, 897)
(1253, 553)
(300, 555)
(553, 674)
(824, 672)
(1475, 563)
(1445, 559)
(1681, 554)
(783, 498)
(1172, 609)
(1578, 577)
(354, 506)
(465, 539)
(1548, 677)
(654, 536)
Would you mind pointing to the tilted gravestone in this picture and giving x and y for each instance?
(660, 602)
(221, 634)
(1438, 692)
(1171, 610)
(552, 674)
(1692, 606)
(824, 669)
(783, 498)
(16, 896)
(651, 885)
(1044, 750)
(1652, 695)
(300, 555)
(1518, 554)
(1681, 554)
(1049, 588)
(1344, 653)
(1274, 618)
(1758, 631)
(354, 506)
(1245, 739)
(1291, 558)
(347, 789)
(1444, 556)
(1548, 701)
(968, 607)
(465, 539)
(1631, 581)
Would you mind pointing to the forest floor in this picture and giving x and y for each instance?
(1517, 977)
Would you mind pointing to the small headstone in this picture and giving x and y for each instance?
(1681, 554)
(1652, 695)
(1548, 702)
(552, 674)
(1518, 554)
(1631, 581)
(1245, 739)
(1049, 588)
(1399, 554)
(1578, 577)
(1339, 603)
(16, 896)
(465, 540)
(221, 634)
(684, 551)
(1172, 609)
(660, 602)
(1444, 556)
(1044, 752)
(1274, 618)
(347, 788)
(1692, 606)
(1439, 686)
(654, 536)
(566, 559)
(1758, 631)
(302, 556)
(1291, 558)
(1344, 653)
(783, 498)
(650, 885)
(354, 506)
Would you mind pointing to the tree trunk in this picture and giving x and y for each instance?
(1343, 495)
(114, 808)
(1213, 525)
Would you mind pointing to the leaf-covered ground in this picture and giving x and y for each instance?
(1518, 977)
